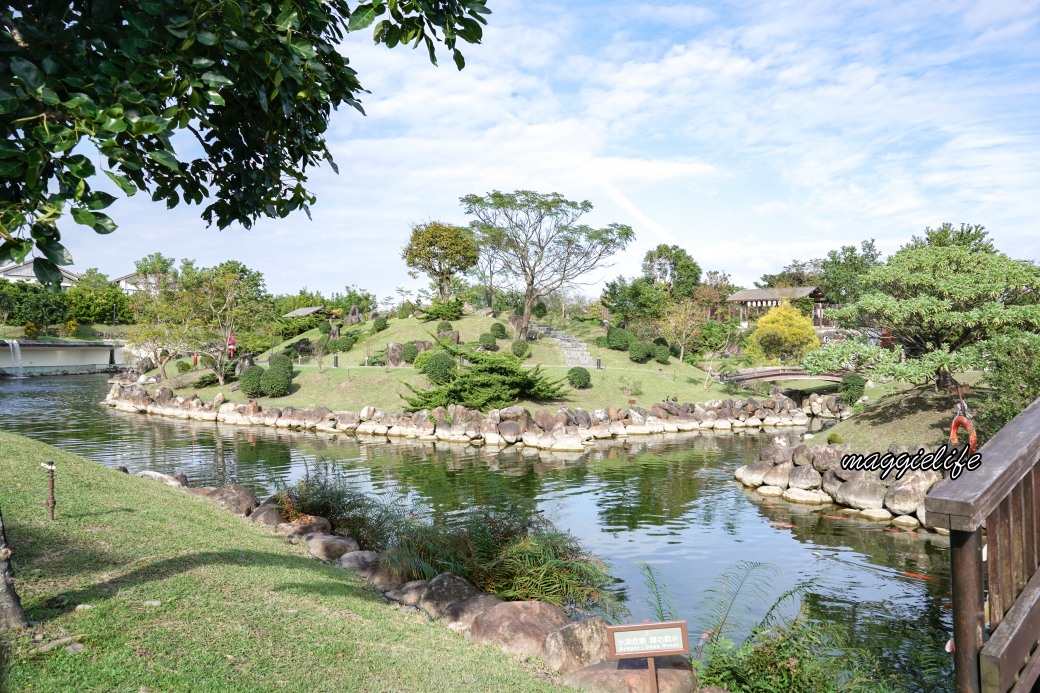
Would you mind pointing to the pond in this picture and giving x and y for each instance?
(669, 502)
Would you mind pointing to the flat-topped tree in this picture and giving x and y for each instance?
(540, 241)
(98, 86)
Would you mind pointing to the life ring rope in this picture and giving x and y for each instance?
(964, 422)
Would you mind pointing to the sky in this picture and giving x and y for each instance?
(748, 133)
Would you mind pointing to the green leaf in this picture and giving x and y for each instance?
(47, 272)
(206, 38)
(362, 17)
(215, 79)
(166, 159)
(104, 224)
(126, 92)
(55, 252)
(286, 19)
(82, 102)
(215, 98)
(460, 62)
(9, 150)
(83, 216)
(11, 168)
(148, 125)
(80, 166)
(30, 75)
(123, 182)
(201, 63)
(99, 199)
(8, 102)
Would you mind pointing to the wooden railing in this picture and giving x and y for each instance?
(1000, 497)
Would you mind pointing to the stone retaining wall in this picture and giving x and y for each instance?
(565, 430)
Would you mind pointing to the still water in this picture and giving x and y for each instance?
(671, 503)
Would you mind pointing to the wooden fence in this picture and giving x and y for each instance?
(999, 499)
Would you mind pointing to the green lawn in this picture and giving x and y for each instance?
(84, 333)
(240, 609)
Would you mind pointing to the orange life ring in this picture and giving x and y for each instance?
(966, 423)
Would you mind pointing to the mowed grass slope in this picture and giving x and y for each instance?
(352, 386)
(240, 609)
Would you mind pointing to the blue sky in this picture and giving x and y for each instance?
(749, 133)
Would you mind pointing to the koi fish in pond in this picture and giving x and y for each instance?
(833, 517)
(918, 576)
(783, 525)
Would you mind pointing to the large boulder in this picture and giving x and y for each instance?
(409, 593)
(459, 616)
(577, 645)
(328, 547)
(906, 494)
(861, 493)
(394, 356)
(267, 514)
(358, 561)
(805, 477)
(674, 675)
(825, 458)
(383, 575)
(306, 524)
(518, 628)
(755, 473)
(235, 498)
(443, 591)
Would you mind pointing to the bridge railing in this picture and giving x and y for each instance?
(1000, 497)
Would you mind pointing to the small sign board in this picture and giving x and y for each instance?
(648, 640)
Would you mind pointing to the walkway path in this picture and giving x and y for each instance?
(575, 351)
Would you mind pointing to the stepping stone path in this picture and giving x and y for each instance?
(575, 351)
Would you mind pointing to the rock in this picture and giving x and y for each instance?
(518, 628)
(770, 491)
(876, 514)
(511, 431)
(121, 468)
(267, 514)
(443, 591)
(409, 592)
(803, 454)
(906, 521)
(755, 472)
(305, 524)
(577, 645)
(806, 497)
(805, 477)
(393, 354)
(825, 458)
(905, 495)
(830, 483)
(328, 547)
(459, 616)
(358, 560)
(160, 477)
(629, 676)
(862, 493)
(382, 575)
(235, 498)
(778, 476)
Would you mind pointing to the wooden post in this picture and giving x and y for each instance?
(966, 569)
(651, 669)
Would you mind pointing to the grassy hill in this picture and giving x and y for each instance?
(352, 385)
(239, 608)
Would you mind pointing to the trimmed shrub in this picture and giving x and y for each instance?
(835, 439)
(183, 366)
(205, 380)
(579, 378)
(521, 348)
(275, 381)
(322, 345)
(449, 310)
(281, 361)
(498, 331)
(344, 343)
(379, 324)
(851, 388)
(661, 353)
(408, 352)
(488, 341)
(660, 341)
(324, 327)
(619, 339)
(250, 382)
(539, 310)
(640, 352)
(601, 342)
(421, 359)
(444, 326)
(440, 368)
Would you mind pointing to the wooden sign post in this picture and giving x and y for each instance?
(648, 640)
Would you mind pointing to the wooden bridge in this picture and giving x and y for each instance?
(999, 500)
(747, 375)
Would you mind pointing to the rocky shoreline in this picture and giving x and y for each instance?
(812, 474)
(564, 430)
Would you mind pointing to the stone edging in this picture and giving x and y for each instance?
(812, 474)
(566, 430)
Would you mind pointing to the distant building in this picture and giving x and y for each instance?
(130, 283)
(24, 273)
(757, 301)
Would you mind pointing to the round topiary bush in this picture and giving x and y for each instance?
(834, 439)
(324, 327)
(521, 348)
(183, 366)
(498, 330)
(409, 351)
(851, 388)
(275, 381)
(421, 359)
(250, 382)
(579, 378)
(444, 326)
(488, 341)
(661, 353)
(660, 341)
(281, 361)
(601, 342)
(379, 324)
(640, 352)
(440, 368)
(539, 310)
(344, 343)
(618, 339)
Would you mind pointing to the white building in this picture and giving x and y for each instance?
(24, 273)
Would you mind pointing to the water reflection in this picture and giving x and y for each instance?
(673, 504)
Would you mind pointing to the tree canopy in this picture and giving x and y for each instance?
(183, 99)
(674, 269)
(971, 236)
(842, 271)
(797, 273)
(440, 251)
(540, 241)
(639, 298)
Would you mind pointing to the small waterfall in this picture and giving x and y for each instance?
(16, 357)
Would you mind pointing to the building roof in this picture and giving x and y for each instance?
(789, 293)
(304, 312)
(26, 270)
(132, 275)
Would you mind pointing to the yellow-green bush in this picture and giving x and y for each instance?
(783, 335)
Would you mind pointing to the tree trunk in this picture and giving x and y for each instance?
(11, 613)
(529, 300)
